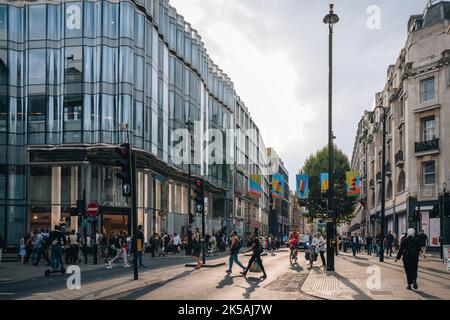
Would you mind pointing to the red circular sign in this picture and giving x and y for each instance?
(92, 209)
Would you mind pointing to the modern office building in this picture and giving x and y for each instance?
(78, 78)
(279, 222)
(416, 98)
(251, 211)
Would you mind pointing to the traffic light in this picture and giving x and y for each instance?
(199, 196)
(124, 163)
(417, 216)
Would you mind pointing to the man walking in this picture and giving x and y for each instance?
(423, 243)
(369, 244)
(389, 243)
(141, 246)
(355, 242)
(236, 245)
(176, 243)
(257, 251)
(410, 251)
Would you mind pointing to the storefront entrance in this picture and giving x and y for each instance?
(115, 220)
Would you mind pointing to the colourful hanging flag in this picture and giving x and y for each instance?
(254, 188)
(302, 186)
(353, 184)
(324, 182)
(278, 186)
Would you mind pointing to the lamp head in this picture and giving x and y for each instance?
(331, 18)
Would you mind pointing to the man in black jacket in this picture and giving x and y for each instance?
(56, 241)
(140, 248)
(410, 250)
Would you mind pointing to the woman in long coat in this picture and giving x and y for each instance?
(410, 250)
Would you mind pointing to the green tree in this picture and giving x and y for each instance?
(317, 202)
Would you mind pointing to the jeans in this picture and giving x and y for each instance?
(140, 258)
(369, 249)
(234, 258)
(258, 260)
(56, 257)
(354, 248)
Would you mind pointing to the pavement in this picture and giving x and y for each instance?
(164, 278)
(365, 278)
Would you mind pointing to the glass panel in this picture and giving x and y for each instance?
(92, 63)
(73, 64)
(429, 175)
(92, 24)
(3, 22)
(36, 25)
(109, 62)
(37, 64)
(73, 112)
(3, 67)
(138, 118)
(126, 64)
(53, 64)
(73, 19)
(140, 30)
(54, 22)
(110, 20)
(139, 73)
(108, 106)
(15, 24)
(126, 20)
(37, 107)
(3, 114)
(427, 89)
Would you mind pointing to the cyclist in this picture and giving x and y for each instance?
(294, 240)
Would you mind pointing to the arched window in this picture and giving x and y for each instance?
(389, 190)
(401, 182)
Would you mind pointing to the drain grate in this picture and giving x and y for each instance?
(325, 284)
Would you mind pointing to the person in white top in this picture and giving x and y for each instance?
(319, 242)
(176, 243)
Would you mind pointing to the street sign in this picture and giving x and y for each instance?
(93, 209)
(126, 189)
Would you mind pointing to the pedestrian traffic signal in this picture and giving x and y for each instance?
(199, 196)
(124, 162)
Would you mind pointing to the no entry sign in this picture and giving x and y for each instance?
(92, 209)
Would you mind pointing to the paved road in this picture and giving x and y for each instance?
(167, 278)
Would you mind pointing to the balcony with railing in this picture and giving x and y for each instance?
(379, 176)
(388, 169)
(431, 145)
(399, 158)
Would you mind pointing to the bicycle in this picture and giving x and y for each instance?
(212, 250)
(293, 257)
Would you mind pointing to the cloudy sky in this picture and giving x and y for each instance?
(276, 53)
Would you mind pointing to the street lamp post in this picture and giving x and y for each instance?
(330, 19)
(189, 126)
(383, 183)
(442, 220)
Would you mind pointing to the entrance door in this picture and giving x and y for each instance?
(113, 222)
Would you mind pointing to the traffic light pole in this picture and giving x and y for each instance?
(189, 231)
(442, 223)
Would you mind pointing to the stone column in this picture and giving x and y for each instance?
(56, 196)
(74, 195)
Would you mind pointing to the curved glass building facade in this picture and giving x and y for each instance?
(71, 74)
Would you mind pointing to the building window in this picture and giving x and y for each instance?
(401, 185)
(427, 89)
(429, 129)
(429, 173)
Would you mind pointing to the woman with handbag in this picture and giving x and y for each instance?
(256, 256)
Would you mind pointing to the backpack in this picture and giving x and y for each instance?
(239, 244)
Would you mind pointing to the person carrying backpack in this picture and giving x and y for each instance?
(41, 249)
(236, 245)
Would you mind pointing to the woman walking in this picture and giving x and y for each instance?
(256, 256)
(234, 251)
(197, 247)
(410, 250)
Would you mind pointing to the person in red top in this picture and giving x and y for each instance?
(294, 240)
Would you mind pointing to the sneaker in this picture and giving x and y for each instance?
(263, 277)
(126, 266)
(244, 274)
(109, 265)
(415, 286)
(408, 288)
(228, 271)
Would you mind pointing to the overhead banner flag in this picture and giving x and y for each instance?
(278, 186)
(302, 186)
(324, 182)
(254, 188)
(353, 184)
